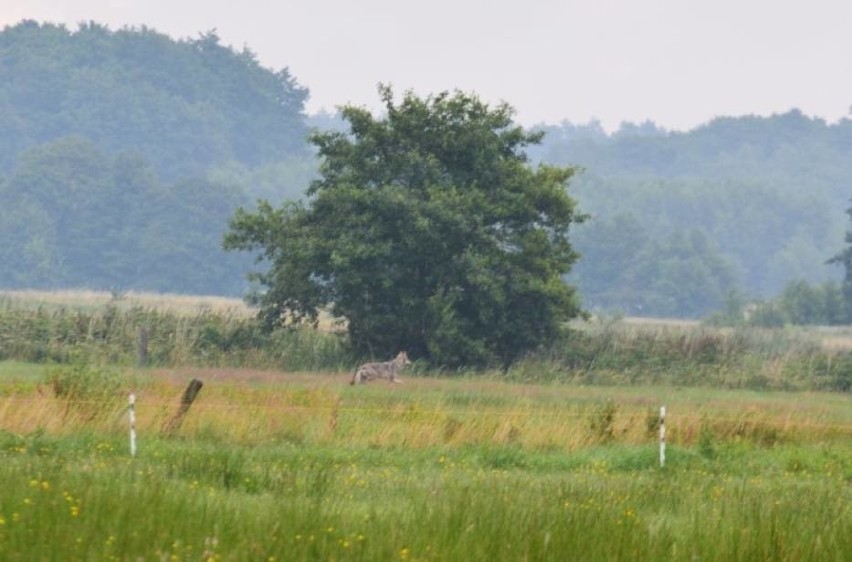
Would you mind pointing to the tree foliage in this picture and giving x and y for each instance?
(427, 231)
(804, 303)
(767, 192)
(800, 303)
(123, 154)
(183, 105)
(71, 216)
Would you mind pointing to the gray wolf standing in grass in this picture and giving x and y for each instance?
(387, 370)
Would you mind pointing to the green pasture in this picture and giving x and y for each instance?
(289, 466)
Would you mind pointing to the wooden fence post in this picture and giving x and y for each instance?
(186, 401)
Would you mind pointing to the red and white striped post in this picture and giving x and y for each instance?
(132, 417)
(662, 436)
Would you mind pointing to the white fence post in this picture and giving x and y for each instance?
(132, 417)
(662, 436)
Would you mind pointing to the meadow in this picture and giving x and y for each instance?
(278, 462)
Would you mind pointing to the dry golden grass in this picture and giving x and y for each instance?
(837, 338)
(184, 305)
(660, 322)
(831, 338)
(253, 407)
(180, 304)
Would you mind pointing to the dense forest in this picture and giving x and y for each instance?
(123, 154)
(681, 221)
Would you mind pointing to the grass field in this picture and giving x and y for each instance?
(86, 299)
(302, 466)
(556, 459)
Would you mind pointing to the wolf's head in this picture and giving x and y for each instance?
(402, 359)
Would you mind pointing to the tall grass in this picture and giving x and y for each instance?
(603, 353)
(111, 335)
(285, 504)
(623, 354)
(485, 467)
(186, 305)
(314, 410)
(444, 470)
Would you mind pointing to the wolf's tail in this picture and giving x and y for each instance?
(355, 377)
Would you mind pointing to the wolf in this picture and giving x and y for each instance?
(387, 370)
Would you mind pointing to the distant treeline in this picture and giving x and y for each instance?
(124, 153)
(684, 222)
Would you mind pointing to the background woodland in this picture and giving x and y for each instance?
(123, 154)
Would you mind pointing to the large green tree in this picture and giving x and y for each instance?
(427, 230)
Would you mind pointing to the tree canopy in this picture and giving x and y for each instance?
(183, 105)
(123, 154)
(768, 193)
(427, 231)
(71, 216)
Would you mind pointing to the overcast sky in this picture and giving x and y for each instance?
(678, 63)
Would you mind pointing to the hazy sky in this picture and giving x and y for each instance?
(676, 62)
